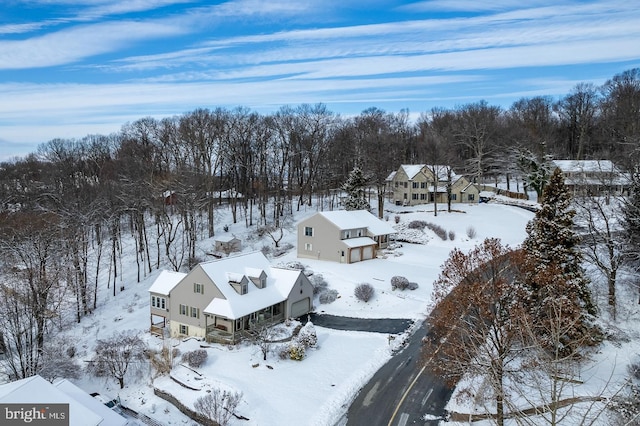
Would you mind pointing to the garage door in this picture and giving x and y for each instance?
(354, 255)
(367, 253)
(300, 308)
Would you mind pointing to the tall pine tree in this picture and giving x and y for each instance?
(554, 274)
(355, 189)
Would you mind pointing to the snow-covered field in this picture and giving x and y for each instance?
(319, 389)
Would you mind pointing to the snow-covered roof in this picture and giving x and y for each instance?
(110, 417)
(411, 170)
(225, 238)
(36, 390)
(166, 281)
(392, 175)
(235, 305)
(579, 166)
(353, 219)
(359, 242)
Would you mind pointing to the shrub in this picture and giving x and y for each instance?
(417, 224)
(398, 282)
(225, 228)
(438, 230)
(266, 250)
(452, 235)
(283, 249)
(319, 283)
(397, 219)
(308, 336)
(412, 286)
(296, 350)
(364, 292)
(195, 358)
(471, 232)
(328, 296)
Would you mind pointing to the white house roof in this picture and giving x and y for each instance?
(225, 238)
(411, 170)
(392, 175)
(353, 219)
(110, 417)
(165, 282)
(36, 390)
(358, 242)
(579, 166)
(280, 282)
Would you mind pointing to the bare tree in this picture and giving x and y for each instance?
(475, 322)
(122, 353)
(218, 405)
(602, 241)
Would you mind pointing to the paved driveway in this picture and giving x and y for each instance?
(375, 325)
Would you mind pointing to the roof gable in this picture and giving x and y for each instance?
(354, 219)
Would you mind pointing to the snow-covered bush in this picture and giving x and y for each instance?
(283, 249)
(471, 232)
(452, 235)
(328, 296)
(412, 286)
(296, 350)
(438, 230)
(319, 283)
(307, 335)
(195, 358)
(417, 224)
(399, 282)
(364, 292)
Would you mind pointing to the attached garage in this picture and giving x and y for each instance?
(354, 255)
(367, 252)
(301, 307)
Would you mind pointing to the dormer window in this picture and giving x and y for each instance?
(239, 286)
(346, 234)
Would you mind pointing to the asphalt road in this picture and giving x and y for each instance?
(401, 392)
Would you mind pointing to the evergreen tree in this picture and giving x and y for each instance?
(554, 273)
(355, 189)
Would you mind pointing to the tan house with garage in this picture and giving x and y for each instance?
(414, 184)
(221, 300)
(342, 236)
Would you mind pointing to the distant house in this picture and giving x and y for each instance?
(414, 184)
(222, 300)
(593, 177)
(169, 198)
(83, 409)
(227, 244)
(342, 236)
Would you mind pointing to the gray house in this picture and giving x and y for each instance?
(221, 300)
(342, 236)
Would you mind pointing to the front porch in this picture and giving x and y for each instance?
(227, 331)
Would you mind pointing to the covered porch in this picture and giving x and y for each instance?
(159, 325)
(231, 331)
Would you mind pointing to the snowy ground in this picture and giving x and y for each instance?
(317, 390)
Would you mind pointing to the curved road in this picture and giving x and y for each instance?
(401, 392)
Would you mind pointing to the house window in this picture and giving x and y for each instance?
(414, 196)
(244, 289)
(472, 197)
(405, 195)
(415, 184)
(183, 309)
(346, 234)
(359, 232)
(423, 196)
(423, 185)
(405, 184)
(198, 288)
(308, 247)
(396, 184)
(195, 312)
(308, 231)
(184, 329)
(454, 197)
(158, 302)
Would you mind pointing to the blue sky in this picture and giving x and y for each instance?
(69, 68)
